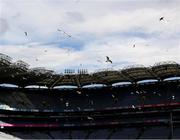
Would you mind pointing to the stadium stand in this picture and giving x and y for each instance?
(135, 110)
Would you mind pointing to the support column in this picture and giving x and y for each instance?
(171, 125)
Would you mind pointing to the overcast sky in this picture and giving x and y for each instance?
(98, 28)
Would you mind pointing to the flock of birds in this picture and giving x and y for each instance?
(59, 30)
(108, 60)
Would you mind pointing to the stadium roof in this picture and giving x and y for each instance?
(18, 73)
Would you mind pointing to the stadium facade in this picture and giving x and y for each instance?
(134, 110)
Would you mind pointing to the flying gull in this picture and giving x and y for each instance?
(25, 33)
(64, 32)
(108, 59)
(161, 18)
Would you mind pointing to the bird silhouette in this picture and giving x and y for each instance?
(90, 118)
(108, 59)
(64, 32)
(161, 18)
(78, 108)
(25, 33)
(113, 96)
(78, 92)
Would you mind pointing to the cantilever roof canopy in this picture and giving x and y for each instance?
(39, 76)
(86, 79)
(166, 69)
(12, 71)
(110, 76)
(18, 73)
(139, 72)
(66, 80)
(5, 60)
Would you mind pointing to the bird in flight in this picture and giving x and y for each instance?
(113, 96)
(25, 33)
(78, 108)
(90, 118)
(108, 59)
(161, 18)
(64, 32)
(78, 92)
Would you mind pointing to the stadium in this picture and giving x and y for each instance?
(134, 102)
(89, 69)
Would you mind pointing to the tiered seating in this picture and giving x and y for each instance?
(125, 133)
(156, 132)
(78, 134)
(60, 134)
(88, 99)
